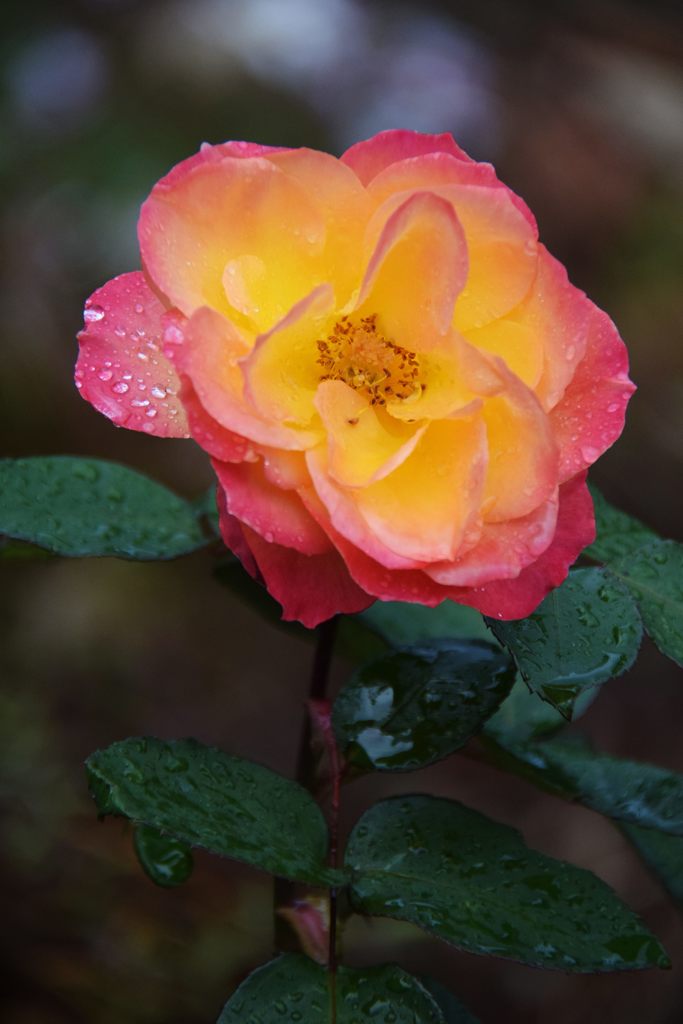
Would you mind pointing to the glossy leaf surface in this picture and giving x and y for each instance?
(655, 576)
(523, 715)
(415, 706)
(401, 623)
(631, 791)
(663, 854)
(293, 988)
(203, 797)
(166, 860)
(474, 883)
(618, 534)
(585, 632)
(79, 507)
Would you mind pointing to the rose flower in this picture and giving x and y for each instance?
(399, 388)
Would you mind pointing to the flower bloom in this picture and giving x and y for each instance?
(399, 388)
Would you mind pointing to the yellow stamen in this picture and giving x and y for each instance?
(360, 356)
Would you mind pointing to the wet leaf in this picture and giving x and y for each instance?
(663, 854)
(452, 1009)
(630, 791)
(474, 883)
(523, 715)
(79, 507)
(655, 576)
(618, 534)
(585, 632)
(415, 706)
(164, 859)
(293, 988)
(203, 797)
(401, 623)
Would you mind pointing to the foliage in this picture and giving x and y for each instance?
(427, 684)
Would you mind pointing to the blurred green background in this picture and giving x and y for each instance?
(580, 106)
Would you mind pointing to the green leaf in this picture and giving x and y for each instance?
(293, 988)
(452, 1009)
(663, 854)
(203, 797)
(630, 791)
(655, 576)
(524, 715)
(618, 534)
(474, 883)
(401, 623)
(416, 706)
(584, 633)
(164, 859)
(79, 507)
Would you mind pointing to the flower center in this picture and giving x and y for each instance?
(358, 354)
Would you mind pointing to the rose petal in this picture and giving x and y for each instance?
(364, 444)
(429, 170)
(121, 369)
(345, 207)
(523, 455)
(276, 515)
(590, 416)
(422, 509)
(335, 507)
(282, 373)
(210, 435)
(417, 270)
(310, 588)
(515, 599)
(210, 355)
(502, 551)
(507, 599)
(368, 158)
(501, 247)
(190, 229)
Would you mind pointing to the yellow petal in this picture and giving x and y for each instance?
(424, 507)
(364, 443)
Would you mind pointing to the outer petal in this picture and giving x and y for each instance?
(310, 588)
(502, 551)
(336, 509)
(200, 218)
(590, 416)
(417, 270)
(508, 599)
(121, 369)
(514, 599)
(345, 206)
(544, 338)
(209, 354)
(277, 516)
(370, 157)
(220, 443)
(430, 170)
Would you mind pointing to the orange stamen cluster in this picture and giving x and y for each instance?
(360, 356)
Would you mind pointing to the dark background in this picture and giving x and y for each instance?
(580, 107)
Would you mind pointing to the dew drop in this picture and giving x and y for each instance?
(92, 314)
(120, 388)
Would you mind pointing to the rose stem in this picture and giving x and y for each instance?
(284, 890)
